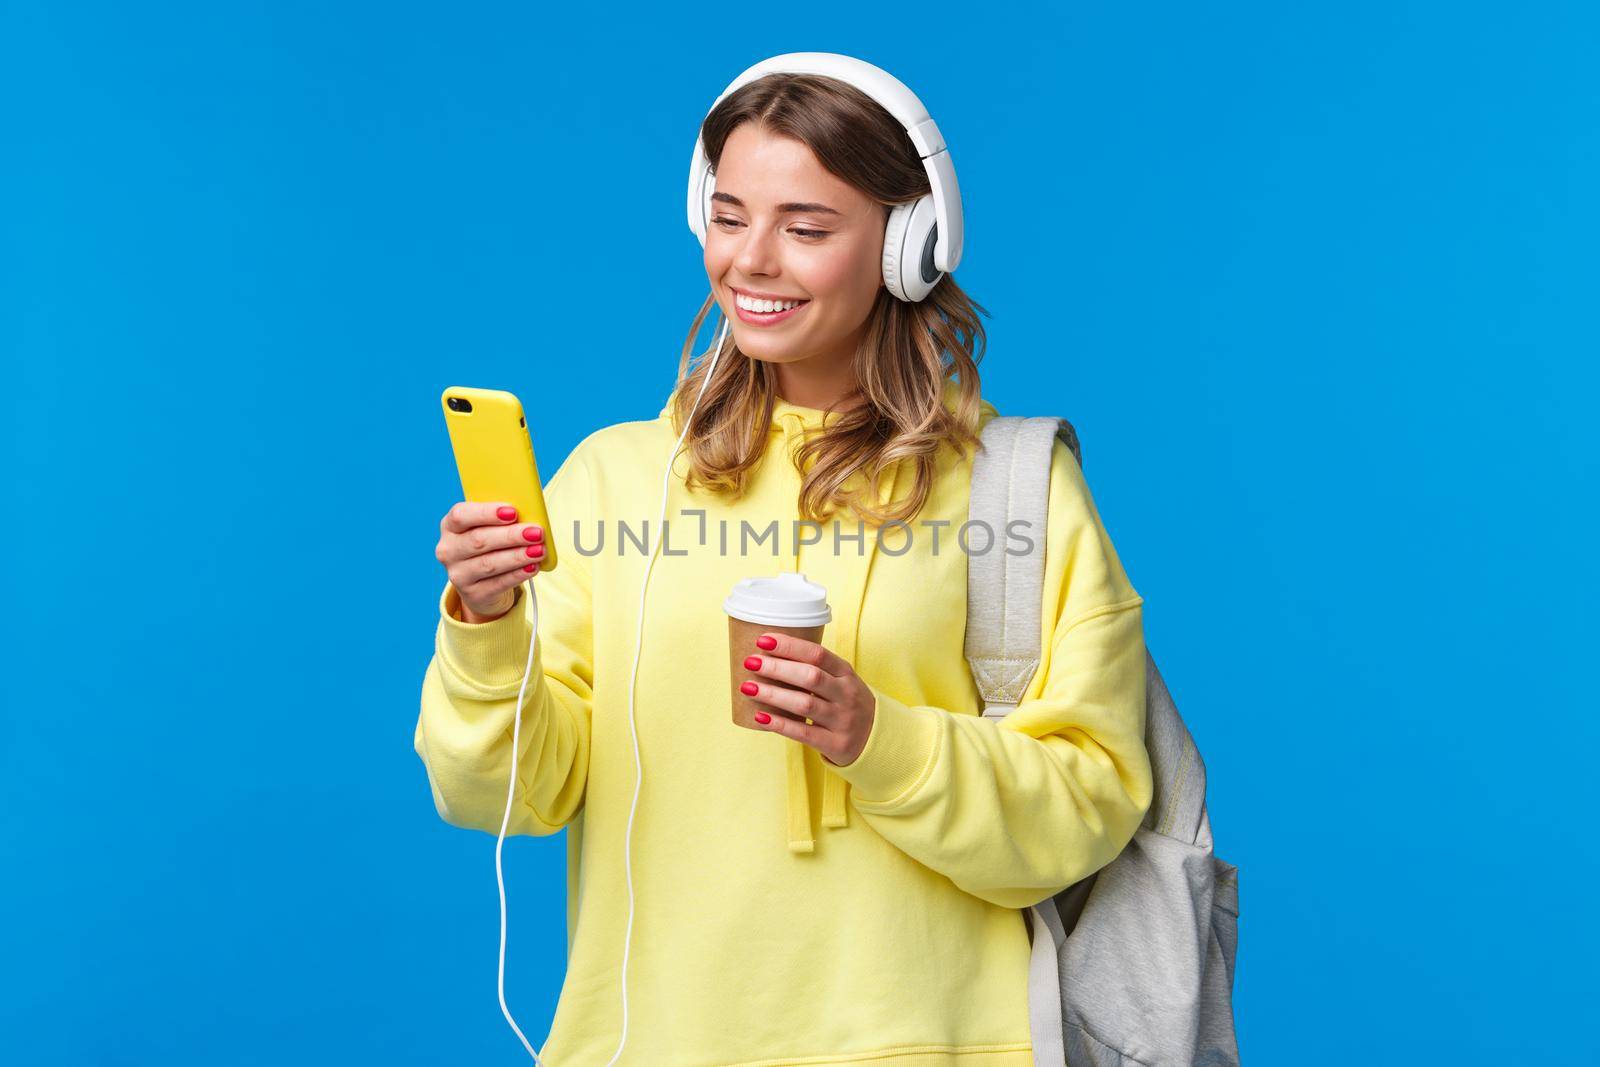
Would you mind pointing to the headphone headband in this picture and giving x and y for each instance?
(900, 102)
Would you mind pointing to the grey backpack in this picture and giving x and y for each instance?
(1132, 966)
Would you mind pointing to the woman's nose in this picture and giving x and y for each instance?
(756, 254)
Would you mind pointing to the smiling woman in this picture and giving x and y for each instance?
(806, 170)
(712, 921)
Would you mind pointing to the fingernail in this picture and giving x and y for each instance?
(763, 718)
(749, 689)
(529, 567)
(766, 642)
(507, 513)
(532, 533)
(534, 551)
(752, 663)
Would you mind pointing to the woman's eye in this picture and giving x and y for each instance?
(722, 220)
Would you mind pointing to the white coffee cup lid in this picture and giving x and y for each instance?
(786, 600)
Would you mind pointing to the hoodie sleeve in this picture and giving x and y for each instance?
(1016, 810)
(469, 692)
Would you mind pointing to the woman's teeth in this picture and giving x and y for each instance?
(765, 307)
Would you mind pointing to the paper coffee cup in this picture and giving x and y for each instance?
(785, 604)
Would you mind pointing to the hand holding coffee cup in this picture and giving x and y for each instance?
(782, 674)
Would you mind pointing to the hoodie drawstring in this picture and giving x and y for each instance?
(846, 602)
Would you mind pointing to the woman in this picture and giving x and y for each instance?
(846, 426)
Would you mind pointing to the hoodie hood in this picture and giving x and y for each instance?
(844, 574)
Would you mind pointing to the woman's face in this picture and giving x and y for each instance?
(782, 225)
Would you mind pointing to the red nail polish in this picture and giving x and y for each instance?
(507, 513)
(749, 689)
(752, 663)
(763, 718)
(767, 642)
(529, 567)
(531, 533)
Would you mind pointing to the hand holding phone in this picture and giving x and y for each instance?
(499, 535)
(487, 556)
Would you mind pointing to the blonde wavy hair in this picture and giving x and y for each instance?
(908, 351)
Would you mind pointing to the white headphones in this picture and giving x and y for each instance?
(922, 241)
(926, 232)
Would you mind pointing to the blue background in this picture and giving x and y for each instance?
(1317, 288)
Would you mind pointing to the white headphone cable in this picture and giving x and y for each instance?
(516, 730)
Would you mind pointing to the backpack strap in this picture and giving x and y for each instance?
(1010, 485)
(1005, 594)
(1178, 806)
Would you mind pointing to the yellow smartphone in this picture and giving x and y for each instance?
(494, 456)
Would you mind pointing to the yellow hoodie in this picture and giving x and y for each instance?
(893, 938)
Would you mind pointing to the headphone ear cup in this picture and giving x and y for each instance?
(908, 241)
(708, 185)
(894, 232)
